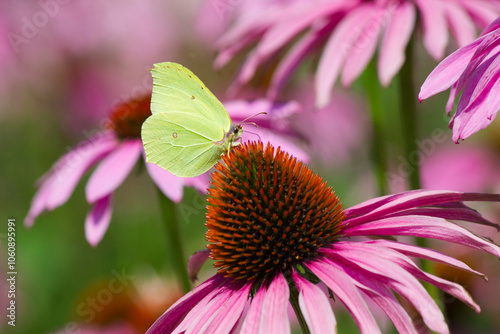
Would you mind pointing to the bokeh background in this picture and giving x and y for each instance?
(65, 64)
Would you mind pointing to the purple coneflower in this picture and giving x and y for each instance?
(278, 234)
(348, 32)
(116, 151)
(475, 69)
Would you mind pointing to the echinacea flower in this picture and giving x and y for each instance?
(115, 151)
(277, 232)
(474, 69)
(347, 33)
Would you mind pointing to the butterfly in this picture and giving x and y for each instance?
(189, 128)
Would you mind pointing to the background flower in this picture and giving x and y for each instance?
(474, 69)
(346, 33)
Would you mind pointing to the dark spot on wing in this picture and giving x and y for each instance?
(174, 135)
(192, 97)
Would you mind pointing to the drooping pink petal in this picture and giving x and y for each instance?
(364, 45)
(315, 307)
(341, 285)
(274, 316)
(169, 184)
(393, 276)
(113, 170)
(335, 52)
(381, 206)
(221, 313)
(404, 262)
(200, 183)
(461, 25)
(195, 263)
(97, 220)
(251, 324)
(396, 37)
(382, 296)
(465, 214)
(292, 59)
(482, 11)
(474, 112)
(419, 252)
(434, 27)
(38, 204)
(175, 314)
(71, 167)
(425, 227)
(448, 71)
(282, 32)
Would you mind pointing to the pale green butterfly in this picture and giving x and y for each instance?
(189, 129)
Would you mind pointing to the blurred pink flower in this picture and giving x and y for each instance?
(88, 52)
(347, 31)
(115, 152)
(292, 237)
(464, 168)
(474, 69)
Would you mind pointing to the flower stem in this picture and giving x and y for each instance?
(174, 241)
(408, 114)
(294, 300)
(372, 87)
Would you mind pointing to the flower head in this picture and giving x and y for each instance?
(276, 230)
(115, 151)
(347, 33)
(474, 69)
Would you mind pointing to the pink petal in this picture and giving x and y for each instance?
(315, 307)
(404, 262)
(448, 71)
(382, 206)
(174, 315)
(434, 26)
(336, 51)
(425, 227)
(396, 37)
(364, 45)
(38, 204)
(482, 11)
(479, 101)
(251, 324)
(200, 183)
(341, 285)
(274, 316)
(424, 253)
(397, 279)
(71, 167)
(292, 59)
(491, 27)
(97, 220)
(113, 170)
(461, 25)
(382, 296)
(169, 184)
(221, 313)
(195, 263)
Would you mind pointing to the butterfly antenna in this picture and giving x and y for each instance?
(254, 134)
(257, 114)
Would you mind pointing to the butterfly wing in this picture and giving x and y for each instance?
(176, 88)
(183, 144)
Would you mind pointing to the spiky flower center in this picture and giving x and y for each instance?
(126, 118)
(267, 213)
